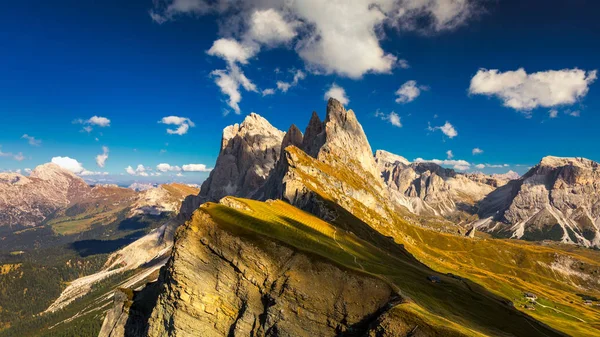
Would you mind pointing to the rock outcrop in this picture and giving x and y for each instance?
(255, 287)
(558, 199)
(249, 151)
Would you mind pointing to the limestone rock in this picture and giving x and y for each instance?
(249, 151)
(429, 189)
(558, 199)
(27, 201)
(255, 287)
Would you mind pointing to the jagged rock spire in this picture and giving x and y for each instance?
(249, 151)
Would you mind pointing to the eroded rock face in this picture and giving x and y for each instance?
(427, 188)
(249, 151)
(219, 284)
(27, 201)
(558, 199)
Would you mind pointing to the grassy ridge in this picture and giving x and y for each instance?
(462, 306)
(505, 267)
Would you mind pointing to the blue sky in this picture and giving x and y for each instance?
(67, 61)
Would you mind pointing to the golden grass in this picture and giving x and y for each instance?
(472, 310)
(506, 267)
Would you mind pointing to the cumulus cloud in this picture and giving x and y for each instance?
(183, 124)
(164, 167)
(409, 91)
(337, 92)
(268, 92)
(525, 92)
(196, 168)
(140, 170)
(477, 151)
(331, 37)
(460, 165)
(553, 113)
(449, 154)
(92, 121)
(447, 129)
(101, 158)
(269, 27)
(575, 113)
(31, 140)
(392, 118)
(68, 163)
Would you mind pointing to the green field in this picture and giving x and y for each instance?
(459, 305)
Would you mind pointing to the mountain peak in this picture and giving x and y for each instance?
(552, 161)
(388, 157)
(51, 171)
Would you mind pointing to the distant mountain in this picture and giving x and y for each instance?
(27, 201)
(558, 199)
(428, 189)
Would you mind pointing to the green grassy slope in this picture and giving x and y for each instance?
(461, 306)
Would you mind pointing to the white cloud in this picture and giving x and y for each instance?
(31, 140)
(337, 92)
(268, 92)
(477, 151)
(196, 168)
(392, 117)
(449, 154)
(575, 113)
(92, 173)
(553, 113)
(18, 157)
(183, 124)
(229, 81)
(231, 51)
(101, 158)
(68, 164)
(99, 121)
(93, 121)
(525, 92)
(285, 86)
(140, 170)
(269, 27)
(460, 165)
(447, 129)
(409, 91)
(403, 64)
(338, 36)
(164, 167)
(481, 166)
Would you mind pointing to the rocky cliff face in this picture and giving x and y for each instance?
(249, 151)
(427, 188)
(253, 287)
(558, 199)
(27, 201)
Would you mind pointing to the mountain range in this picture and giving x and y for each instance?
(314, 234)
